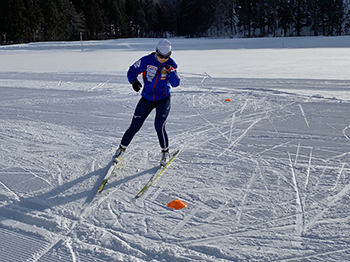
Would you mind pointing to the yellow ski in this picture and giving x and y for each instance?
(110, 173)
(156, 175)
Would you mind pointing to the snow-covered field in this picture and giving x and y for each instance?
(266, 176)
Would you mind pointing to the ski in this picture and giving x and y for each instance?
(110, 173)
(157, 175)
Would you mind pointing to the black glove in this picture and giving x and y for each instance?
(169, 69)
(136, 85)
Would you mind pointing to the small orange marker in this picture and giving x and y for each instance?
(177, 204)
(228, 100)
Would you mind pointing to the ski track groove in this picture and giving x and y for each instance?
(300, 220)
(308, 170)
(244, 199)
(271, 122)
(246, 230)
(16, 197)
(344, 132)
(297, 155)
(68, 243)
(99, 85)
(238, 139)
(338, 177)
(244, 106)
(180, 225)
(303, 113)
(211, 124)
(65, 235)
(331, 201)
(39, 177)
(319, 254)
(37, 256)
(337, 156)
(231, 127)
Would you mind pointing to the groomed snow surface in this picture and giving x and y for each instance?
(266, 176)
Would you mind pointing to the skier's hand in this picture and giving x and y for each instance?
(169, 69)
(136, 85)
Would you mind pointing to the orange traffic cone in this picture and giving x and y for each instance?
(228, 100)
(177, 204)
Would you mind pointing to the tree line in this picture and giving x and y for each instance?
(55, 20)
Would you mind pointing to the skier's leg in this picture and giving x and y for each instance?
(143, 109)
(162, 112)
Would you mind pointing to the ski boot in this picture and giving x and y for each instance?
(165, 157)
(118, 154)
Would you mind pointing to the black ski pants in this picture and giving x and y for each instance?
(143, 109)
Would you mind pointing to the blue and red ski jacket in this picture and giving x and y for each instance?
(157, 80)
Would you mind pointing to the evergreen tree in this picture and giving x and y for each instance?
(114, 18)
(3, 21)
(346, 17)
(35, 17)
(245, 11)
(224, 18)
(93, 17)
(18, 29)
(314, 15)
(332, 16)
(135, 17)
(195, 17)
(299, 15)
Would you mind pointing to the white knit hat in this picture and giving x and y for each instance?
(164, 47)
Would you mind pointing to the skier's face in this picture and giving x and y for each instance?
(162, 60)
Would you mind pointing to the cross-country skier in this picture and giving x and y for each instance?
(159, 73)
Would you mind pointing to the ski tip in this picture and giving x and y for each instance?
(176, 153)
(139, 194)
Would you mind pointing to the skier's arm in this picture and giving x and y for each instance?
(174, 79)
(134, 70)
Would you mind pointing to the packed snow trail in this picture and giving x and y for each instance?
(265, 176)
